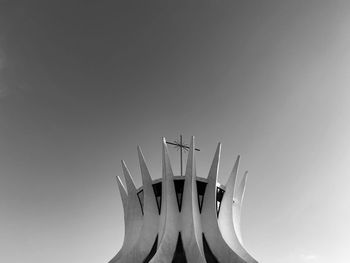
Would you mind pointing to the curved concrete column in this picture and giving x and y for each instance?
(225, 219)
(209, 220)
(133, 223)
(237, 206)
(168, 231)
(191, 229)
(149, 228)
(124, 197)
(150, 209)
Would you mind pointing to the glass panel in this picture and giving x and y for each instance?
(179, 188)
(200, 202)
(179, 254)
(152, 252)
(201, 186)
(209, 256)
(218, 204)
(157, 189)
(219, 194)
(140, 197)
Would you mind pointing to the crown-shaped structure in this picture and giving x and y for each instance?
(182, 218)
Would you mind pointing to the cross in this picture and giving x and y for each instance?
(180, 145)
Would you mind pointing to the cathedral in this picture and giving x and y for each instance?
(182, 218)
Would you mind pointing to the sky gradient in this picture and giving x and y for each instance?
(82, 83)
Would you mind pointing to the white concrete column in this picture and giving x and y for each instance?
(210, 225)
(169, 223)
(150, 210)
(191, 229)
(226, 217)
(133, 223)
(237, 207)
(124, 197)
(149, 226)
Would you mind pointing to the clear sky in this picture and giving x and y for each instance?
(83, 82)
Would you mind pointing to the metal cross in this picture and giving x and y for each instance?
(179, 145)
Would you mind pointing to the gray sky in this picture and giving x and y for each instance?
(81, 84)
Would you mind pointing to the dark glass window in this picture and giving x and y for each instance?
(219, 194)
(201, 190)
(140, 197)
(179, 254)
(157, 188)
(209, 256)
(179, 188)
(152, 252)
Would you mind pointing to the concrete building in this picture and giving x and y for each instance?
(182, 218)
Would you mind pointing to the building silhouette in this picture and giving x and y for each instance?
(182, 218)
